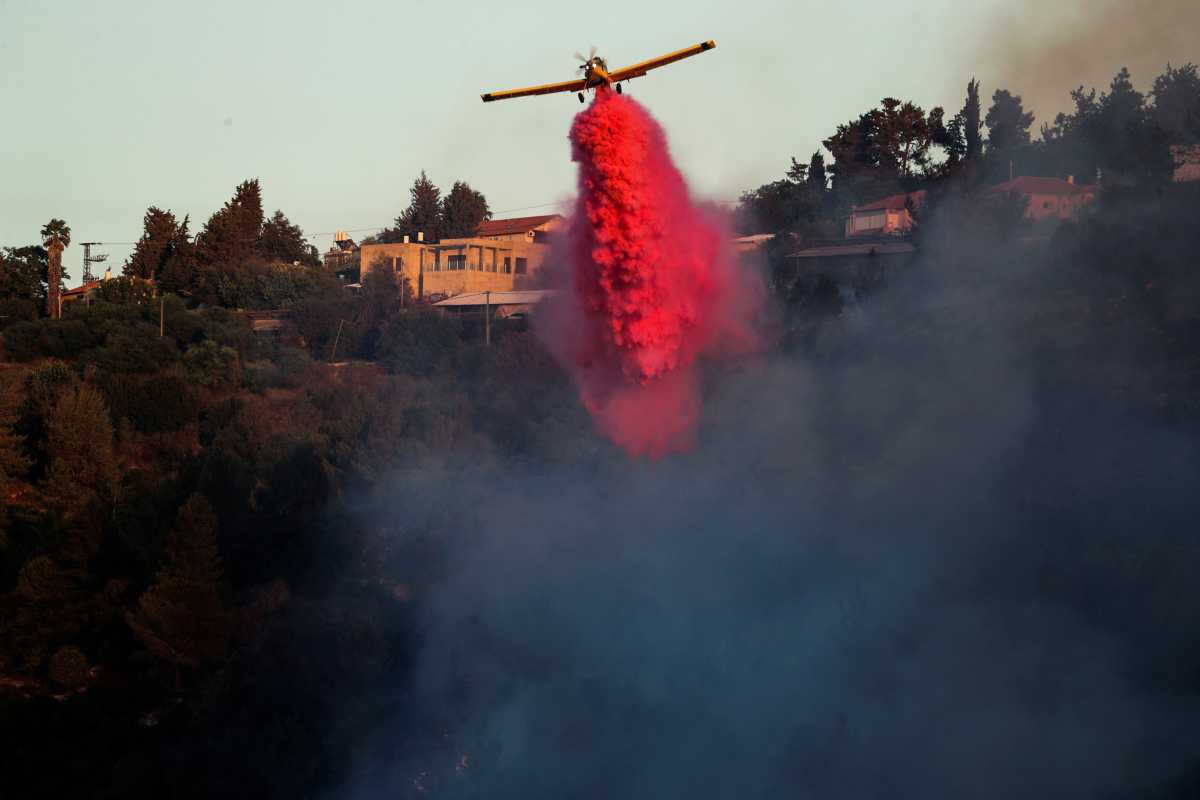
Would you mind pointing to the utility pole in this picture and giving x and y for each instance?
(161, 299)
(487, 318)
(333, 350)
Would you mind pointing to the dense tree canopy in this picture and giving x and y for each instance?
(282, 241)
(161, 241)
(1007, 122)
(462, 211)
(23, 273)
(423, 215)
(1176, 111)
(231, 235)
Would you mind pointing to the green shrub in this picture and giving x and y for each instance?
(68, 667)
(162, 403)
(293, 365)
(45, 385)
(209, 363)
(258, 376)
(184, 326)
(420, 343)
(228, 329)
(104, 318)
(14, 311)
(317, 320)
(48, 338)
(136, 348)
(128, 291)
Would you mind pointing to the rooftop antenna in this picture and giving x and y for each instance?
(89, 259)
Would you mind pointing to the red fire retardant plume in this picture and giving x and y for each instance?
(655, 284)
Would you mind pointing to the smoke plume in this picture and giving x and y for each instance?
(1042, 51)
(654, 283)
(948, 551)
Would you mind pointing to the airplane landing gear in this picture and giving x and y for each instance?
(618, 88)
(581, 97)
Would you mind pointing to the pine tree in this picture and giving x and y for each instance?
(971, 122)
(178, 273)
(181, 617)
(423, 215)
(463, 209)
(159, 239)
(56, 236)
(817, 179)
(231, 235)
(192, 552)
(83, 462)
(1007, 122)
(13, 461)
(280, 240)
(1176, 108)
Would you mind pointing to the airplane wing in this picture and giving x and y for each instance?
(550, 88)
(640, 69)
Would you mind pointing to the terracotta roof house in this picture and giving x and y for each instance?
(1049, 197)
(889, 216)
(524, 227)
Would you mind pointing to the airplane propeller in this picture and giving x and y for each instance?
(585, 61)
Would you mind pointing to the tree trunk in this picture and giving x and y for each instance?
(54, 281)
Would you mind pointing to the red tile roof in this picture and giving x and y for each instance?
(507, 227)
(84, 289)
(866, 249)
(894, 202)
(1028, 184)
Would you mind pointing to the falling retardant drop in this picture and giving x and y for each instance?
(655, 284)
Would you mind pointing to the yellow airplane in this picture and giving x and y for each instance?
(597, 77)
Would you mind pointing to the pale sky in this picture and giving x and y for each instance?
(110, 107)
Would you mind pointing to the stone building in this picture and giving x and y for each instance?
(891, 216)
(503, 255)
(1049, 198)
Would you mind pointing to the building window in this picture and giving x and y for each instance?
(507, 265)
(397, 264)
(869, 220)
(456, 261)
(522, 265)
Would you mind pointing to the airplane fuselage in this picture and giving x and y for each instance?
(597, 76)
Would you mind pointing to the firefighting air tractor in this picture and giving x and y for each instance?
(597, 77)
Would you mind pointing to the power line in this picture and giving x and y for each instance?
(388, 225)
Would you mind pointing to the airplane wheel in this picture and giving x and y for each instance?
(618, 88)
(581, 97)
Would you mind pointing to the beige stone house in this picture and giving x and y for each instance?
(503, 255)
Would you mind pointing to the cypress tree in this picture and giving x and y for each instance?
(423, 215)
(159, 238)
(463, 209)
(83, 461)
(181, 618)
(972, 122)
(231, 235)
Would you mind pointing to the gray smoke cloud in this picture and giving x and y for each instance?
(1042, 51)
(900, 565)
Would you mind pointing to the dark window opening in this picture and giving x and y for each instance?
(522, 266)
